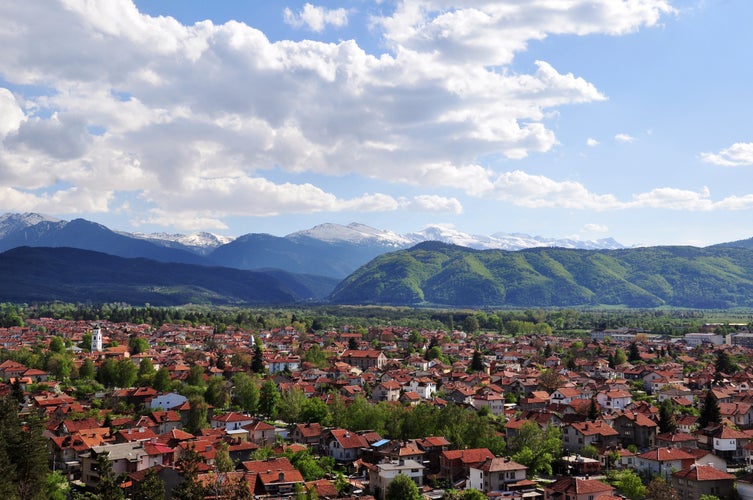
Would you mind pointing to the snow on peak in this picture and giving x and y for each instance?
(10, 222)
(352, 233)
(197, 240)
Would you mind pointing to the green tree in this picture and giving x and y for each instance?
(291, 404)
(151, 488)
(190, 488)
(402, 488)
(660, 489)
(315, 356)
(56, 486)
(126, 373)
(23, 453)
(477, 362)
(535, 448)
(109, 482)
(146, 373)
(217, 393)
(667, 421)
(635, 354)
(137, 345)
(628, 483)
(619, 356)
(710, 413)
(269, 397)
(246, 392)
(162, 381)
(197, 415)
(257, 363)
(57, 345)
(315, 410)
(222, 460)
(724, 364)
(195, 376)
(470, 324)
(87, 369)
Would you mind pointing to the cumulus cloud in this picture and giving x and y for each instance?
(189, 118)
(739, 154)
(316, 18)
(433, 203)
(591, 142)
(596, 228)
(624, 138)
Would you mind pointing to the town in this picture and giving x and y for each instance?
(180, 410)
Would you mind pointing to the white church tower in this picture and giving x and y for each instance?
(96, 339)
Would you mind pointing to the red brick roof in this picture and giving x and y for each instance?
(703, 473)
(472, 456)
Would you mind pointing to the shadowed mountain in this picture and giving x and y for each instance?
(299, 254)
(80, 233)
(41, 274)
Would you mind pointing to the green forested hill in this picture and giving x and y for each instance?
(445, 275)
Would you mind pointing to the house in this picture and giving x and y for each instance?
(125, 458)
(491, 400)
(260, 432)
(167, 401)
(386, 391)
(308, 434)
(496, 474)
(565, 395)
(635, 428)
(368, 358)
(231, 421)
(697, 480)
(573, 488)
(423, 386)
(382, 474)
(432, 446)
(344, 446)
(597, 433)
(662, 461)
(614, 400)
(729, 443)
(274, 477)
(456, 464)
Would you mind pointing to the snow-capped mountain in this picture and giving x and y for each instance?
(355, 233)
(14, 222)
(201, 243)
(504, 241)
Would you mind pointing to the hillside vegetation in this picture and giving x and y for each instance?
(445, 275)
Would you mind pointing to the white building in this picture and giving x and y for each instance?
(495, 474)
(381, 475)
(97, 340)
(698, 338)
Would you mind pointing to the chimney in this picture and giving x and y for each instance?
(281, 477)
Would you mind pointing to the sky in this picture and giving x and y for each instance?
(585, 119)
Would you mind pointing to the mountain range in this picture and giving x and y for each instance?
(47, 259)
(331, 250)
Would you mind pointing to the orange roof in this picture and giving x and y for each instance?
(703, 473)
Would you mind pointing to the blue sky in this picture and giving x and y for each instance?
(560, 118)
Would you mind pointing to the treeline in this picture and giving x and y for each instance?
(511, 322)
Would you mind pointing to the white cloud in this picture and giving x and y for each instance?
(316, 18)
(191, 117)
(596, 228)
(738, 155)
(591, 142)
(624, 138)
(433, 203)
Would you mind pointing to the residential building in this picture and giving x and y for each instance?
(697, 480)
(381, 475)
(496, 474)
